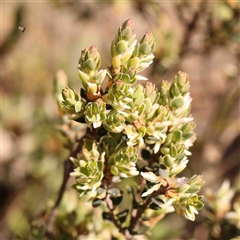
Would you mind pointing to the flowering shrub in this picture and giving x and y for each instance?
(132, 132)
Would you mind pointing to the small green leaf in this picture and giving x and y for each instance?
(126, 78)
(116, 200)
(193, 189)
(144, 49)
(186, 127)
(139, 100)
(173, 151)
(165, 150)
(187, 135)
(177, 102)
(96, 202)
(114, 192)
(114, 170)
(169, 139)
(116, 62)
(198, 205)
(136, 50)
(101, 190)
(157, 201)
(90, 64)
(132, 117)
(177, 135)
(121, 46)
(142, 193)
(148, 105)
(167, 161)
(78, 106)
(122, 215)
(126, 56)
(141, 109)
(150, 176)
(133, 62)
(174, 90)
(126, 33)
(154, 206)
(183, 188)
(106, 216)
(145, 218)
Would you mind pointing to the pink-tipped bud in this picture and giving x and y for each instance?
(128, 23)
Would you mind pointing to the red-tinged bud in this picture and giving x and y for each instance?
(128, 23)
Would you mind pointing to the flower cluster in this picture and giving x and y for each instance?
(89, 171)
(128, 56)
(134, 131)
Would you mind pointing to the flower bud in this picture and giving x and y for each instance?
(188, 206)
(72, 103)
(126, 30)
(182, 78)
(90, 60)
(146, 44)
(70, 97)
(95, 112)
(147, 38)
(128, 23)
(182, 81)
(120, 95)
(151, 93)
(124, 162)
(114, 122)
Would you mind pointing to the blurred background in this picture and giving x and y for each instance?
(200, 38)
